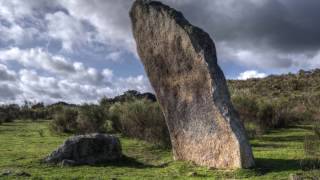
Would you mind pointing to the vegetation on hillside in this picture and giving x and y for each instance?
(263, 104)
(140, 119)
(277, 101)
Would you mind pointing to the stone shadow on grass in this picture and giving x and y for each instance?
(126, 161)
(283, 139)
(267, 165)
(268, 145)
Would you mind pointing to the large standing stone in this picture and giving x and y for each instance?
(87, 149)
(180, 61)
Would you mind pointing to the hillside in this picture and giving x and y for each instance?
(283, 98)
(301, 86)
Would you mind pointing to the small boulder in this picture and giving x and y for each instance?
(86, 149)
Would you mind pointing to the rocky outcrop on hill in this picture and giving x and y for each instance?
(131, 95)
(181, 63)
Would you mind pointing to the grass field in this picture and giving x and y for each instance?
(24, 144)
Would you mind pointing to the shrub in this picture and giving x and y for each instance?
(260, 115)
(252, 129)
(283, 115)
(276, 115)
(3, 117)
(1, 120)
(140, 119)
(8, 113)
(83, 119)
(265, 114)
(316, 129)
(91, 118)
(246, 107)
(64, 120)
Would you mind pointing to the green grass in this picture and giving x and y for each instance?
(24, 144)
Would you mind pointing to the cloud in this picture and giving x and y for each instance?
(253, 58)
(50, 89)
(285, 25)
(80, 93)
(58, 65)
(271, 31)
(109, 18)
(13, 10)
(68, 30)
(6, 74)
(308, 62)
(30, 85)
(139, 83)
(114, 56)
(21, 21)
(251, 74)
(9, 92)
(30, 32)
(16, 33)
(38, 87)
(37, 58)
(267, 36)
(89, 27)
(108, 74)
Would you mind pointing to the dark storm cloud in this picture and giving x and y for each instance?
(262, 34)
(286, 25)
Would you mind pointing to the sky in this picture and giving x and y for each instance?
(80, 51)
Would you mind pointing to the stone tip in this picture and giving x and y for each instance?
(158, 6)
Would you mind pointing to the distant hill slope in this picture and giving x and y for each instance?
(304, 83)
(299, 93)
(296, 94)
